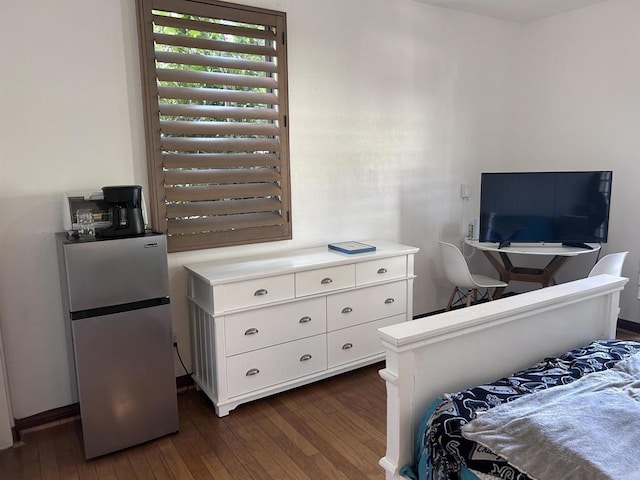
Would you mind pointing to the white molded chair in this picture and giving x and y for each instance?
(610, 264)
(465, 283)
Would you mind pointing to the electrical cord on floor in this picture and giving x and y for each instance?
(175, 346)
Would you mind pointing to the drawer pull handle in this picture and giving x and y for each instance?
(347, 346)
(347, 310)
(305, 357)
(251, 331)
(382, 270)
(252, 372)
(389, 300)
(305, 320)
(326, 281)
(259, 293)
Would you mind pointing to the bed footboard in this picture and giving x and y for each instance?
(462, 348)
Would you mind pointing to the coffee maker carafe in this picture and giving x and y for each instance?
(125, 211)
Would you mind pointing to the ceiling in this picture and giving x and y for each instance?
(519, 11)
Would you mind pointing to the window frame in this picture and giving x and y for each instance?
(258, 177)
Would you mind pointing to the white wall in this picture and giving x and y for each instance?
(380, 152)
(6, 417)
(579, 109)
(375, 152)
(70, 119)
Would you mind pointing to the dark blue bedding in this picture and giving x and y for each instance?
(442, 453)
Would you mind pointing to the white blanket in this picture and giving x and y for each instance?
(586, 430)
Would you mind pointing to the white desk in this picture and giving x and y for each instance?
(545, 276)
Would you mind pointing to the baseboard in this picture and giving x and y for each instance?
(442, 310)
(184, 381)
(629, 326)
(39, 419)
(68, 411)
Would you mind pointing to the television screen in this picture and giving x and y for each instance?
(551, 207)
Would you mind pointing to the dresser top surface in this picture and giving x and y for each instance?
(290, 261)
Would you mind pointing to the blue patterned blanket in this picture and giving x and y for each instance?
(442, 451)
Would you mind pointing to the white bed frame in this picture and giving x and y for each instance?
(465, 347)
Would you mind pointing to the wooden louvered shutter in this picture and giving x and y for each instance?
(215, 84)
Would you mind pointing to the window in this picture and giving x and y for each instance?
(215, 92)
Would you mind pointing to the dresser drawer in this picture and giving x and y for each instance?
(256, 292)
(380, 270)
(325, 280)
(269, 366)
(371, 303)
(361, 341)
(268, 326)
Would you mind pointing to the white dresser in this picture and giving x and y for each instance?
(264, 324)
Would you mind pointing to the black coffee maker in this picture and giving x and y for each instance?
(125, 211)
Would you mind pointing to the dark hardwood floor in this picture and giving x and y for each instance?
(331, 430)
(628, 335)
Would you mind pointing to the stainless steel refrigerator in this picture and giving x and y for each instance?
(116, 295)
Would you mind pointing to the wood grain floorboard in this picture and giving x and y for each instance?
(255, 428)
(220, 456)
(302, 450)
(337, 449)
(331, 430)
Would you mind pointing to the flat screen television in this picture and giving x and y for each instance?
(570, 208)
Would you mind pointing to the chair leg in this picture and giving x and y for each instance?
(453, 294)
(469, 297)
(489, 294)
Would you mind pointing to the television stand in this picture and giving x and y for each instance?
(577, 245)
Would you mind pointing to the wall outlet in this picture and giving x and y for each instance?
(473, 229)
